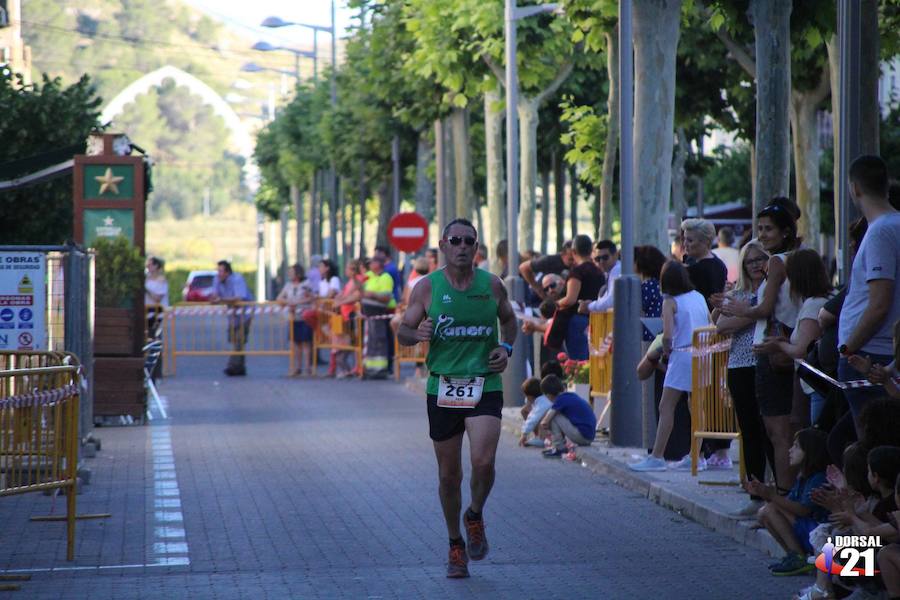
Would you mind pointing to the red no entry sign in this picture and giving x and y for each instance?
(408, 232)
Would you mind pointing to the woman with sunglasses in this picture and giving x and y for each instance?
(775, 314)
(755, 445)
(584, 283)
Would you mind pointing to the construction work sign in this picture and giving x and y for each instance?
(23, 301)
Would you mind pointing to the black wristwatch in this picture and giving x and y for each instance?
(508, 347)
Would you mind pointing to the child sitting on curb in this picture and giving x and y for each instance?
(536, 406)
(791, 518)
(535, 409)
(570, 417)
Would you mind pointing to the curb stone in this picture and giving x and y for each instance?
(738, 530)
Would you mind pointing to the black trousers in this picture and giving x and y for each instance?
(756, 446)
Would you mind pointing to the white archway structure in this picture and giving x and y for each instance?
(241, 137)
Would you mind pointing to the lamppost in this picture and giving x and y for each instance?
(515, 372)
(626, 397)
(279, 22)
(295, 197)
(267, 47)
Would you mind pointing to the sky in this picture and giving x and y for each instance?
(244, 16)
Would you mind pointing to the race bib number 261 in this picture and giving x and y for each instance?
(459, 392)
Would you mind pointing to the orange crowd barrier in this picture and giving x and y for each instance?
(332, 332)
(712, 410)
(39, 429)
(600, 366)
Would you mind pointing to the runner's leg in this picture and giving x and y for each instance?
(484, 434)
(449, 459)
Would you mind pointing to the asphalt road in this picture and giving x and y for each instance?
(268, 487)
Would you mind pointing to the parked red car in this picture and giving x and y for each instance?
(199, 286)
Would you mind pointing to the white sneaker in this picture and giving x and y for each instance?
(650, 463)
(685, 464)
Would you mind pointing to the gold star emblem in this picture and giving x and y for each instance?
(108, 182)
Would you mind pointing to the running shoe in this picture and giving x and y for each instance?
(793, 564)
(685, 464)
(458, 562)
(476, 542)
(715, 463)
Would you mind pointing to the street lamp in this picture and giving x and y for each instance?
(279, 22)
(515, 372)
(267, 47)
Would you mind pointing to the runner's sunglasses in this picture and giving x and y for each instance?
(456, 240)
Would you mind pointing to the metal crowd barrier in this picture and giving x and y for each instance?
(712, 410)
(600, 365)
(235, 328)
(332, 332)
(408, 354)
(39, 410)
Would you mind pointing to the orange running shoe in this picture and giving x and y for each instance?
(457, 563)
(475, 539)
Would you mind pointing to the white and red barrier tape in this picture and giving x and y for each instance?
(39, 398)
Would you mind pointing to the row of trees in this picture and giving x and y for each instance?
(428, 75)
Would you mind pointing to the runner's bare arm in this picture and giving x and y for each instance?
(416, 326)
(505, 313)
(508, 327)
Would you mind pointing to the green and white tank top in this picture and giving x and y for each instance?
(465, 330)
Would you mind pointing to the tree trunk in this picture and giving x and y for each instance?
(604, 229)
(870, 111)
(462, 163)
(496, 187)
(597, 215)
(679, 205)
(753, 195)
(363, 194)
(545, 210)
(333, 192)
(320, 217)
(573, 201)
(772, 20)
(834, 72)
(385, 210)
(656, 31)
(424, 187)
(297, 202)
(528, 124)
(559, 191)
(806, 159)
(353, 221)
(313, 210)
(449, 170)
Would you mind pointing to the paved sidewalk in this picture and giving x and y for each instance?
(707, 499)
(268, 487)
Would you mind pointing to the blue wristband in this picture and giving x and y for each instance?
(509, 348)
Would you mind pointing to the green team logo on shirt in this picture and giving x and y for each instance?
(445, 330)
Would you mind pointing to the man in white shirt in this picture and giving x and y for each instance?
(606, 256)
(728, 254)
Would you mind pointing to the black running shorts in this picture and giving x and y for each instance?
(444, 423)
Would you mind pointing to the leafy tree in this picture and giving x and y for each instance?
(41, 118)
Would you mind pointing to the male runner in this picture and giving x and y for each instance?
(456, 309)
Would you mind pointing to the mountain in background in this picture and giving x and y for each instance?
(118, 41)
